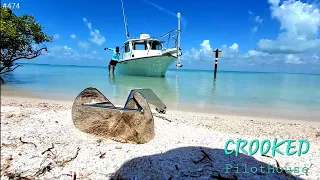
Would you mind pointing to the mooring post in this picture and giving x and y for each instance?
(216, 62)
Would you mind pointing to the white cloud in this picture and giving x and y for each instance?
(89, 26)
(299, 23)
(254, 29)
(233, 55)
(205, 53)
(297, 44)
(67, 48)
(60, 51)
(205, 46)
(258, 19)
(56, 36)
(292, 59)
(83, 45)
(192, 54)
(250, 12)
(73, 36)
(274, 2)
(96, 37)
(234, 47)
(285, 44)
(65, 52)
(252, 53)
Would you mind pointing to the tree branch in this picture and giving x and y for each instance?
(36, 54)
(10, 70)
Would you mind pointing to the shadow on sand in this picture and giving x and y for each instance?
(199, 163)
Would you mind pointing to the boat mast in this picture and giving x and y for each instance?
(178, 48)
(125, 21)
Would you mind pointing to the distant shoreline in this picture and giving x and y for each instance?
(207, 70)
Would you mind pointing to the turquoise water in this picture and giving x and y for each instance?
(197, 87)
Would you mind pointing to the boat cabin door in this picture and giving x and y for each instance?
(127, 51)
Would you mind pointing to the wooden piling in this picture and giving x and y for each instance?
(216, 62)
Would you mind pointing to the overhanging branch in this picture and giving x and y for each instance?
(9, 70)
(35, 54)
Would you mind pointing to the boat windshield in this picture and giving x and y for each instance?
(145, 45)
(156, 45)
(140, 46)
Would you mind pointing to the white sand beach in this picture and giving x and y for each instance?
(39, 141)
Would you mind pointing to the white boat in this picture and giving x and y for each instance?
(150, 56)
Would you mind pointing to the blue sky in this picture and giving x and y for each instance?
(262, 35)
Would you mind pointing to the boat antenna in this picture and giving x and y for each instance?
(125, 21)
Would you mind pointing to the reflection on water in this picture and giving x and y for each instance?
(67, 82)
(214, 86)
(123, 84)
(266, 90)
(112, 79)
(11, 78)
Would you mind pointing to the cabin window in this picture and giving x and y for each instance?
(140, 46)
(156, 46)
(126, 48)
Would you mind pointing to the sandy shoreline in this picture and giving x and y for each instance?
(30, 126)
(305, 115)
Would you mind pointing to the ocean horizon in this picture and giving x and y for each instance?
(173, 69)
(180, 89)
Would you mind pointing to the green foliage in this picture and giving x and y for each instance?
(20, 38)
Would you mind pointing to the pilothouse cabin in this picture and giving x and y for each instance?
(142, 47)
(148, 56)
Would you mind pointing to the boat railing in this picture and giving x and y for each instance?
(173, 34)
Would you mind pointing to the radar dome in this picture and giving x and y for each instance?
(144, 36)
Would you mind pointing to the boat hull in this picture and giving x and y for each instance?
(155, 66)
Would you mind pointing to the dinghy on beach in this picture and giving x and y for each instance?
(93, 113)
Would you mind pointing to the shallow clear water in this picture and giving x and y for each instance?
(245, 89)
